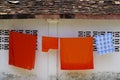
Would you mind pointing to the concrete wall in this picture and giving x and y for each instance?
(47, 64)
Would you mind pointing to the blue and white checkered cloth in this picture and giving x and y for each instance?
(104, 44)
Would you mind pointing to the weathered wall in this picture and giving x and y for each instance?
(107, 67)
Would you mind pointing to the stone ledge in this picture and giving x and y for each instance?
(60, 16)
(97, 16)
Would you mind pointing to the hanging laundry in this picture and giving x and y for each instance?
(49, 43)
(104, 43)
(22, 50)
(76, 53)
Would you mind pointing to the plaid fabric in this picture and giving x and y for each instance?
(104, 44)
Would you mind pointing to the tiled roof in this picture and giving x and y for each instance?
(59, 8)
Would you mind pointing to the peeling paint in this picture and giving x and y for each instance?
(8, 76)
(89, 76)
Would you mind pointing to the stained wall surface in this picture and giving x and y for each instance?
(47, 65)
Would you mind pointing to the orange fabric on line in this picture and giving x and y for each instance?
(11, 54)
(22, 50)
(76, 53)
(49, 43)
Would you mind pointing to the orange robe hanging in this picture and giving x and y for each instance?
(76, 53)
(22, 50)
(49, 43)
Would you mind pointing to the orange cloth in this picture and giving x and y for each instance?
(22, 50)
(49, 43)
(76, 53)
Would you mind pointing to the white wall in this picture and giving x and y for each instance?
(46, 64)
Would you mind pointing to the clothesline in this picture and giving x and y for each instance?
(75, 53)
